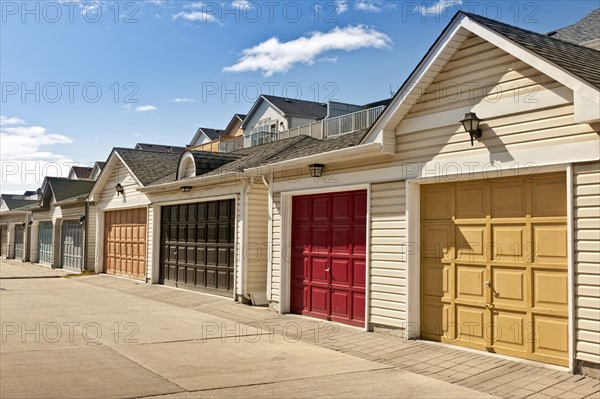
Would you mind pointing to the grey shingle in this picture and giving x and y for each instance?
(149, 166)
(301, 108)
(64, 188)
(580, 61)
(585, 30)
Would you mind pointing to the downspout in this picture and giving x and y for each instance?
(86, 235)
(247, 191)
(267, 183)
(239, 242)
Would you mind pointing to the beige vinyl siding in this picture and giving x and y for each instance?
(276, 250)
(387, 296)
(587, 260)
(72, 213)
(190, 168)
(91, 237)
(502, 85)
(9, 219)
(130, 198)
(255, 253)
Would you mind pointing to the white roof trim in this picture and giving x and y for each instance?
(197, 136)
(255, 107)
(182, 165)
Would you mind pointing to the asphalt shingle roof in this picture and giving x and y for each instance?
(208, 161)
(82, 172)
(158, 147)
(301, 108)
(580, 61)
(584, 30)
(149, 166)
(64, 188)
(14, 204)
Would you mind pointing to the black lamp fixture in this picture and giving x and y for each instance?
(316, 169)
(185, 189)
(82, 220)
(23, 224)
(471, 125)
(30, 222)
(119, 189)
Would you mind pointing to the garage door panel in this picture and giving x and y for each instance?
(469, 282)
(509, 286)
(471, 201)
(328, 264)
(19, 241)
(72, 245)
(470, 243)
(549, 197)
(509, 244)
(551, 336)
(550, 243)
(550, 289)
(507, 289)
(45, 243)
(341, 240)
(205, 233)
(508, 199)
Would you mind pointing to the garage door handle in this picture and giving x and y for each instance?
(327, 270)
(487, 283)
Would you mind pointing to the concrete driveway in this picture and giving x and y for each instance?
(67, 338)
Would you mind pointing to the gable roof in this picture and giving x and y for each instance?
(580, 61)
(545, 53)
(584, 30)
(81, 172)
(206, 161)
(148, 166)
(290, 107)
(236, 119)
(158, 147)
(63, 188)
(16, 203)
(212, 134)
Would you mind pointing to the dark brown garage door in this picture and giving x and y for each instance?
(197, 246)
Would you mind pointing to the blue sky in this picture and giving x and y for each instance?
(81, 77)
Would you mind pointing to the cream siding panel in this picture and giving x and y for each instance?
(8, 219)
(91, 237)
(503, 84)
(387, 291)
(190, 168)
(276, 248)
(265, 111)
(255, 253)
(129, 199)
(587, 261)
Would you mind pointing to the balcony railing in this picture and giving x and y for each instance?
(327, 128)
(352, 122)
(232, 145)
(314, 129)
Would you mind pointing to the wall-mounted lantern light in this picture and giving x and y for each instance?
(23, 224)
(30, 222)
(119, 189)
(82, 220)
(316, 169)
(185, 189)
(471, 125)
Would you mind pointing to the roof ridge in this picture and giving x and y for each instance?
(155, 151)
(477, 16)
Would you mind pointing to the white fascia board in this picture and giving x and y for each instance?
(199, 181)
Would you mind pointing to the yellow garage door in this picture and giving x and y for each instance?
(494, 266)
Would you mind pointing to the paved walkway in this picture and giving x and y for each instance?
(482, 372)
(273, 355)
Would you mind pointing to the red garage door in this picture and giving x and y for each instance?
(329, 256)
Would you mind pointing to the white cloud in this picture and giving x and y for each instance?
(4, 121)
(332, 60)
(160, 3)
(341, 6)
(368, 5)
(145, 108)
(241, 4)
(182, 100)
(195, 16)
(272, 56)
(26, 157)
(438, 7)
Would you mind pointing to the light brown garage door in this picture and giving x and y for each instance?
(494, 266)
(125, 242)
